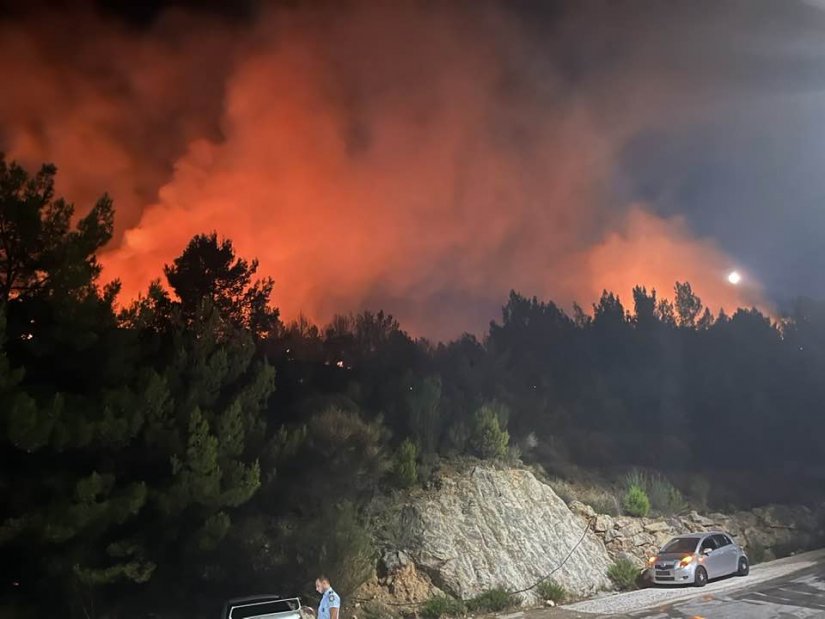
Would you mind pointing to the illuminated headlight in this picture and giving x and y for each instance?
(686, 561)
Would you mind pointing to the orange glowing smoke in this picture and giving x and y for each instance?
(381, 157)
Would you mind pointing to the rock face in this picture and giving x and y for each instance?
(487, 526)
(777, 530)
(400, 583)
(492, 527)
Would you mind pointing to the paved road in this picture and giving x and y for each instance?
(800, 595)
(789, 588)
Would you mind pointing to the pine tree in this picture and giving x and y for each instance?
(128, 442)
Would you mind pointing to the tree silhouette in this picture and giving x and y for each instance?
(39, 250)
(208, 270)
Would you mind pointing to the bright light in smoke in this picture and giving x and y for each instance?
(734, 277)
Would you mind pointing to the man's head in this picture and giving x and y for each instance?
(321, 583)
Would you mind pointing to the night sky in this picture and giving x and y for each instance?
(427, 157)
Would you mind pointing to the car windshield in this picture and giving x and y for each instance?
(680, 544)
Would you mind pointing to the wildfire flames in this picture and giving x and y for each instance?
(419, 161)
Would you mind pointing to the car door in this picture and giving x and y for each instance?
(711, 557)
(728, 553)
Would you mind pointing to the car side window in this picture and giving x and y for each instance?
(708, 542)
(721, 540)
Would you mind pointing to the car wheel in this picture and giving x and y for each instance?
(700, 579)
(744, 567)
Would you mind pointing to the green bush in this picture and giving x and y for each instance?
(551, 590)
(488, 439)
(662, 495)
(636, 502)
(404, 467)
(442, 606)
(624, 574)
(493, 601)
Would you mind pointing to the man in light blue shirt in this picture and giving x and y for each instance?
(330, 601)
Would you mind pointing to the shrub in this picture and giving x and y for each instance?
(605, 503)
(488, 439)
(564, 490)
(551, 590)
(404, 467)
(442, 606)
(636, 502)
(600, 499)
(663, 496)
(514, 454)
(493, 601)
(340, 545)
(624, 574)
(458, 437)
(636, 478)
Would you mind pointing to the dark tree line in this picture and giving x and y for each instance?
(193, 447)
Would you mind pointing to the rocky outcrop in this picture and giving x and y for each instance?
(775, 530)
(398, 581)
(485, 526)
(500, 527)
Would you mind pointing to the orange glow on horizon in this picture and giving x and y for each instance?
(357, 179)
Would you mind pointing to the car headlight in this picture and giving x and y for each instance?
(686, 561)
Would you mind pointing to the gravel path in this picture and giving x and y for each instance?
(646, 598)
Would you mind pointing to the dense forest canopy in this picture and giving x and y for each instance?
(195, 442)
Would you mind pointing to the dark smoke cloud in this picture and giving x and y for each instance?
(428, 157)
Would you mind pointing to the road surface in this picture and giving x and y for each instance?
(799, 595)
(789, 588)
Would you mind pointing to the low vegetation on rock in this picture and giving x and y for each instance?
(442, 606)
(665, 499)
(624, 574)
(551, 590)
(493, 601)
(635, 501)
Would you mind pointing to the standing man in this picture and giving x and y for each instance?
(330, 601)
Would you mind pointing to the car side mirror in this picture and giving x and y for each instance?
(707, 551)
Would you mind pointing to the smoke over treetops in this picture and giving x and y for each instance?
(425, 158)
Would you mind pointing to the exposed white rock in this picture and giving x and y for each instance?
(492, 527)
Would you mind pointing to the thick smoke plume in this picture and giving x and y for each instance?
(422, 158)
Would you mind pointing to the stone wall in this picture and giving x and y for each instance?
(775, 530)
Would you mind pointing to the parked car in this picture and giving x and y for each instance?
(265, 607)
(696, 558)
